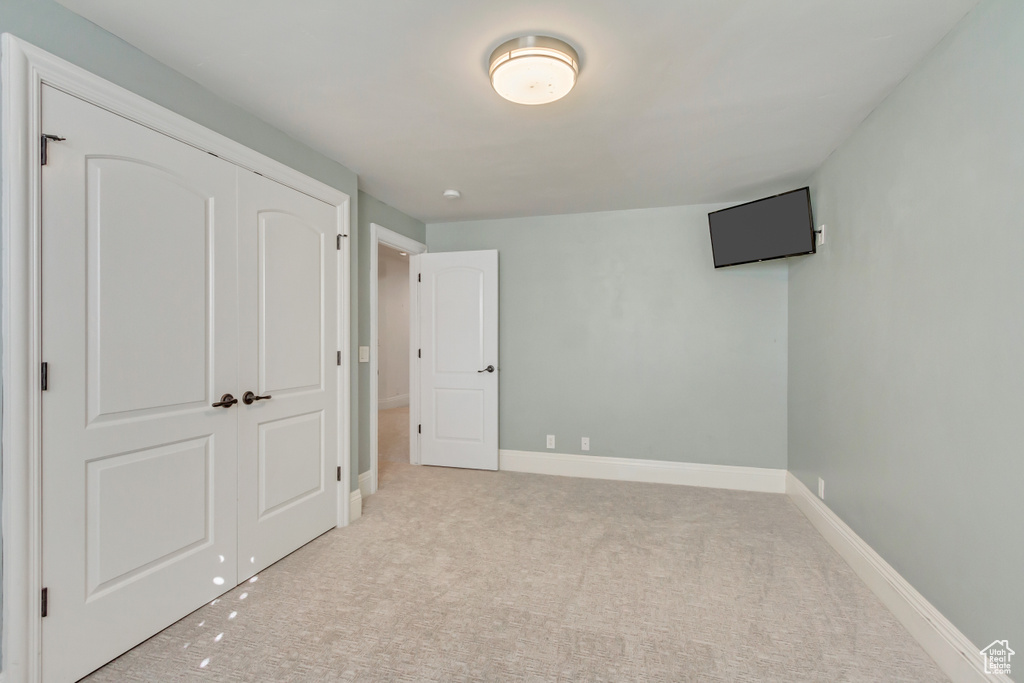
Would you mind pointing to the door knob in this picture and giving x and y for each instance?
(248, 398)
(489, 368)
(226, 401)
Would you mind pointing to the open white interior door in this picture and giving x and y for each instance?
(458, 300)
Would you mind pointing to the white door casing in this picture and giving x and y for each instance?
(139, 336)
(287, 442)
(458, 303)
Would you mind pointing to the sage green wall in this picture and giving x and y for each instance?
(59, 31)
(372, 210)
(907, 329)
(617, 327)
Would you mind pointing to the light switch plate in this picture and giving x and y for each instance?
(364, 354)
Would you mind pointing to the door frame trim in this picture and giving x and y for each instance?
(380, 235)
(25, 68)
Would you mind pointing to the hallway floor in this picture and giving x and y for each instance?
(392, 438)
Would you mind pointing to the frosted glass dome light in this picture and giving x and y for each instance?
(534, 69)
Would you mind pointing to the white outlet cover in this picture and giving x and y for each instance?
(585, 443)
(551, 440)
(821, 234)
(821, 488)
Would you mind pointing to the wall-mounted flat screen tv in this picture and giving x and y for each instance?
(769, 228)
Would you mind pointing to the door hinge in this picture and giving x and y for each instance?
(419, 353)
(42, 603)
(339, 472)
(339, 241)
(44, 376)
(44, 142)
(339, 357)
(419, 429)
(419, 277)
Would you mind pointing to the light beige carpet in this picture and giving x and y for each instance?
(458, 575)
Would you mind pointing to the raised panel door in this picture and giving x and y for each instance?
(458, 299)
(288, 437)
(139, 333)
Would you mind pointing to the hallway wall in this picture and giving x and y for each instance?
(392, 329)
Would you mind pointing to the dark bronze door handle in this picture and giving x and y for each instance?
(226, 401)
(489, 368)
(248, 398)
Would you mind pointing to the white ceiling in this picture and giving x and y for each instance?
(678, 101)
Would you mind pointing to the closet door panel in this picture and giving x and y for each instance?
(141, 219)
(288, 440)
(139, 333)
(290, 294)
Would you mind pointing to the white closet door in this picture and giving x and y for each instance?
(139, 335)
(458, 294)
(288, 435)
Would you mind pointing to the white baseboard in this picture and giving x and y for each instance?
(952, 651)
(364, 483)
(393, 402)
(650, 471)
(355, 506)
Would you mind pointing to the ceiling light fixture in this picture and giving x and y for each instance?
(451, 194)
(534, 69)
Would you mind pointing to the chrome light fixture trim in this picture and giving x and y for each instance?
(534, 69)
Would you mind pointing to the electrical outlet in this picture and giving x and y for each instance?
(551, 440)
(585, 443)
(821, 488)
(821, 234)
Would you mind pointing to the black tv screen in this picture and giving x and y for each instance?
(770, 228)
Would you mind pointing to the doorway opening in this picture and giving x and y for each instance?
(393, 363)
(393, 328)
